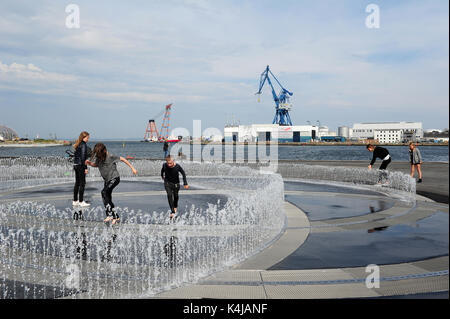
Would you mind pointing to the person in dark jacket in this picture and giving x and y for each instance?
(80, 156)
(170, 174)
(383, 154)
(166, 149)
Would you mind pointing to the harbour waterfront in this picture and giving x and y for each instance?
(302, 152)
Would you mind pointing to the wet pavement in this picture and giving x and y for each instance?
(92, 188)
(423, 239)
(323, 187)
(148, 197)
(319, 207)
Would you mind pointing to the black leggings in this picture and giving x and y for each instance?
(383, 175)
(107, 196)
(384, 164)
(80, 182)
(172, 194)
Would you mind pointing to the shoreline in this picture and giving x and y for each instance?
(310, 144)
(309, 162)
(33, 145)
(299, 161)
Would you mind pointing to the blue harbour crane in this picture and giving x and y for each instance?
(282, 105)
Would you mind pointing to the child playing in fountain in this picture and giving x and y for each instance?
(170, 174)
(379, 152)
(106, 164)
(383, 154)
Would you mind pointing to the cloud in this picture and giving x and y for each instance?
(37, 81)
(30, 72)
(140, 97)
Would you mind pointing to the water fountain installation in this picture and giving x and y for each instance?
(233, 217)
(49, 249)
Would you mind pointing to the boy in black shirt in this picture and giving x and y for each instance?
(381, 153)
(169, 173)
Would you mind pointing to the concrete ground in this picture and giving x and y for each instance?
(263, 277)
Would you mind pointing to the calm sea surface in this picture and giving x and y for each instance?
(155, 151)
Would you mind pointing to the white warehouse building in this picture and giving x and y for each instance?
(388, 132)
(270, 132)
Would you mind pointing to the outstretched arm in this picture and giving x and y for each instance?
(129, 164)
(88, 162)
(372, 161)
(184, 177)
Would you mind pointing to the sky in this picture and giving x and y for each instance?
(127, 60)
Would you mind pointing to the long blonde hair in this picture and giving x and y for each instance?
(80, 139)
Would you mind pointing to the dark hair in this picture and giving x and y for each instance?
(99, 153)
(169, 157)
(369, 146)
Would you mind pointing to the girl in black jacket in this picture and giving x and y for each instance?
(80, 157)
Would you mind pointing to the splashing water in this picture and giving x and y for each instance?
(394, 184)
(52, 252)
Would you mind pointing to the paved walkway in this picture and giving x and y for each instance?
(253, 279)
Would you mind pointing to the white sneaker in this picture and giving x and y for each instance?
(84, 204)
(75, 203)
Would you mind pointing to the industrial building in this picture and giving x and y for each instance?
(385, 133)
(388, 132)
(270, 132)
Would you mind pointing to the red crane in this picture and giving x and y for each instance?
(151, 128)
(164, 133)
(151, 134)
